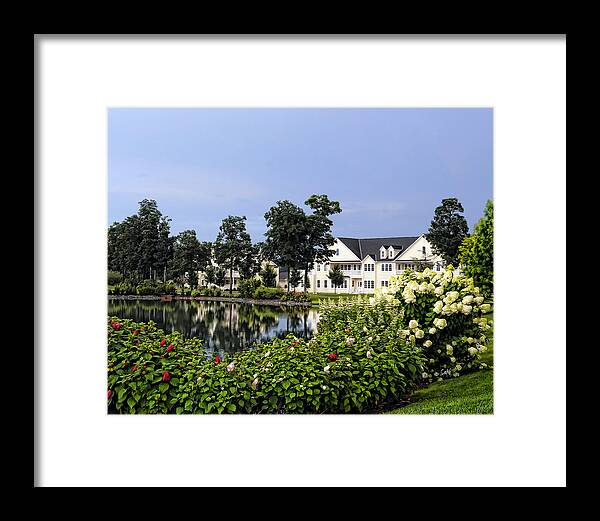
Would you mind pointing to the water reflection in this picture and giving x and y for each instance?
(224, 326)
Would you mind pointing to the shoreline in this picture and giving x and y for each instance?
(242, 300)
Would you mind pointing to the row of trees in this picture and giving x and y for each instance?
(140, 247)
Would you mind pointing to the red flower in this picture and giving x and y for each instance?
(170, 348)
(134, 368)
(218, 360)
(116, 325)
(163, 342)
(332, 356)
(109, 394)
(166, 376)
(136, 332)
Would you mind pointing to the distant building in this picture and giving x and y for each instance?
(366, 264)
(369, 263)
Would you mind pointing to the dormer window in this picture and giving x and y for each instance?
(382, 252)
(391, 252)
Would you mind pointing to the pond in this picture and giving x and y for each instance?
(224, 327)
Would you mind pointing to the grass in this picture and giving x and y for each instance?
(316, 297)
(469, 394)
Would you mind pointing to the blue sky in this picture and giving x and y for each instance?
(388, 168)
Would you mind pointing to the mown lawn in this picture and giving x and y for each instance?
(469, 394)
(316, 297)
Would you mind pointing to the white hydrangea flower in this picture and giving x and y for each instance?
(472, 351)
(326, 368)
(230, 367)
(485, 308)
(449, 349)
(423, 287)
(412, 338)
(369, 355)
(350, 341)
(413, 324)
(439, 290)
(440, 323)
(452, 359)
(467, 299)
(470, 340)
(409, 296)
(432, 330)
(424, 375)
(467, 309)
(419, 333)
(478, 300)
(428, 343)
(437, 307)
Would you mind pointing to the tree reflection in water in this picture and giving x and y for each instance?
(225, 327)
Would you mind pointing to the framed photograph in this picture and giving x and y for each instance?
(299, 248)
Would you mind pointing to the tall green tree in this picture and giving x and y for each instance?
(477, 252)
(294, 279)
(336, 275)
(189, 257)
(286, 231)
(249, 264)
(319, 238)
(447, 230)
(232, 245)
(140, 246)
(268, 276)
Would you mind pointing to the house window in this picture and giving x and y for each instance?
(318, 267)
(424, 250)
(382, 253)
(384, 283)
(337, 252)
(324, 283)
(345, 283)
(318, 283)
(369, 284)
(360, 283)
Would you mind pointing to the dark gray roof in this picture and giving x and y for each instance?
(371, 246)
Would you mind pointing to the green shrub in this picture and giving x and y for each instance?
(332, 373)
(296, 297)
(114, 277)
(265, 293)
(477, 252)
(196, 292)
(443, 313)
(247, 287)
(124, 288)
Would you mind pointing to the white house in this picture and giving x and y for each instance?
(369, 263)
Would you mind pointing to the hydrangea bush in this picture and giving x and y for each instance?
(444, 315)
(358, 361)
